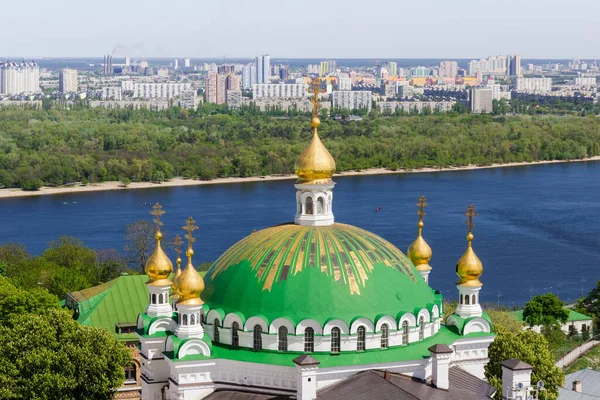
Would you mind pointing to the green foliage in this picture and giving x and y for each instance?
(59, 146)
(15, 301)
(528, 347)
(51, 356)
(502, 319)
(545, 309)
(590, 305)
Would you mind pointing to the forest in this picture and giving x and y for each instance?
(59, 146)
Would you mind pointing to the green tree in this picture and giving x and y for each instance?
(16, 301)
(545, 309)
(51, 356)
(590, 305)
(502, 319)
(139, 243)
(529, 347)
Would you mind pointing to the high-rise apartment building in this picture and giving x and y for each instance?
(187, 63)
(248, 76)
(19, 78)
(534, 85)
(448, 69)
(344, 82)
(279, 91)
(392, 68)
(481, 100)
(166, 90)
(127, 61)
(352, 100)
(67, 82)
(107, 66)
(232, 82)
(263, 68)
(492, 65)
(176, 63)
(216, 88)
(514, 68)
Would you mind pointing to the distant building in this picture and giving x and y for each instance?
(19, 78)
(534, 85)
(577, 321)
(392, 68)
(487, 66)
(107, 66)
(176, 63)
(514, 66)
(67, 81)
(232, 82)
(111, 93)
(215, 88)
(163, 72)
(588, 81)
(226, 69)
(352, 100)
(419, 106)
(248, 76)
(481, 100)
(448, 69)
(419, 72)
(344, 83)
(127, 61)
(234, 99)
(388, 90)
(263, 69)
(280, 91)
(166, 90)
(189, 99)
(187, 63)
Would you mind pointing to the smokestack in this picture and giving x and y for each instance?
(386, 375)
(440, 365)
(577, 386)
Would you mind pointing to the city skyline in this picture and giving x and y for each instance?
(536, 30)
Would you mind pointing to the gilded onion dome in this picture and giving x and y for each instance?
(315, 165)
(177, 246)
(419, 251)
(469, 268)
(189, 285)
(159, 267)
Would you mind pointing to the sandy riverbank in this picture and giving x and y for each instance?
(9, 193)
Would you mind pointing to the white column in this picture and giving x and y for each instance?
(158, 305)
(306, 377)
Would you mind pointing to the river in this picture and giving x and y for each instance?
(538, 228)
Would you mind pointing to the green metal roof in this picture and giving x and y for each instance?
(303, 272)
(117, 301)
(573, 316)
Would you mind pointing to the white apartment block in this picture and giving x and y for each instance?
(165, 90)
(67, 82)
(448, 69)
(189, 99)
(481, 100)
(19, 78)
(586, 81)
(352, 100)
(111, 93)
(408, 106)
(344, 83)
(127, 85)
(534, 85)
(279, 90)
(491, 65)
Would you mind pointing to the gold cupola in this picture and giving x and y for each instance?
(419, 251)
(158, 266)
(177, 247)
(315, 165)
(469, 268)
(189, 285)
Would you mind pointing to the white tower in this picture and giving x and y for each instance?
(314, 167)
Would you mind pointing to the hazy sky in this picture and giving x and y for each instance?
(302, 29)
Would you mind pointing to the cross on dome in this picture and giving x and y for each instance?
(470, 214)
(190, 228)
(157, 211)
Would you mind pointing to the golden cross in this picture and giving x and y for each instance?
(315, 89)
(422, 204)
(177, 244)
(190, 228)
(470, 214)
(157, 211)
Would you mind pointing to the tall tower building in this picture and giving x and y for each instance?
(23, 78)
(216, 88)
(107, 67)
(514, 67)
(176, 63)
(448, 69)
(67, 82)
(187, 63)
(263, 68)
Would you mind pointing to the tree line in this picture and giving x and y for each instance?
(60, 146)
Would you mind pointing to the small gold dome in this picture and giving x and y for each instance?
(159, 267)
(189, 284)
(419, 252)
(315, 164)
(469, 268)
(176, 275)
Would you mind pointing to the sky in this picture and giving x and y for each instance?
(555, 29)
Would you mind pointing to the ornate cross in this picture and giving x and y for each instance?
(422, 204)
(470, 214)
(157, 211)
(177, 244)
(315, 89)
(190, 228)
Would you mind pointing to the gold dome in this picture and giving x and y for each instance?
(419, 252)
(469, 268)
(159, 267)
(315, 164)
(189, 284)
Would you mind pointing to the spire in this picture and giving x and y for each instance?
(315, 165)
(419, 251)
(158, 266)
(469, 268)
(189, 284)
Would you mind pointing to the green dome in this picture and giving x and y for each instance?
(320, 273)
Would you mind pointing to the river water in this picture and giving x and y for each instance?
(538, 228)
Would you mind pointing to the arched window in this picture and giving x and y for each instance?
(235, 339)
(421, 328)
(153, 301)
(184, 320)
(309, 206)
(309, 340)
(461, 299)
(473, 300)
(282, 338)
(257, 337)
(193, 319)
(467, 299)
(216, 330)
(385, 336)
(335, 340)
(360, 341)
(405, 332)
(320, 206)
